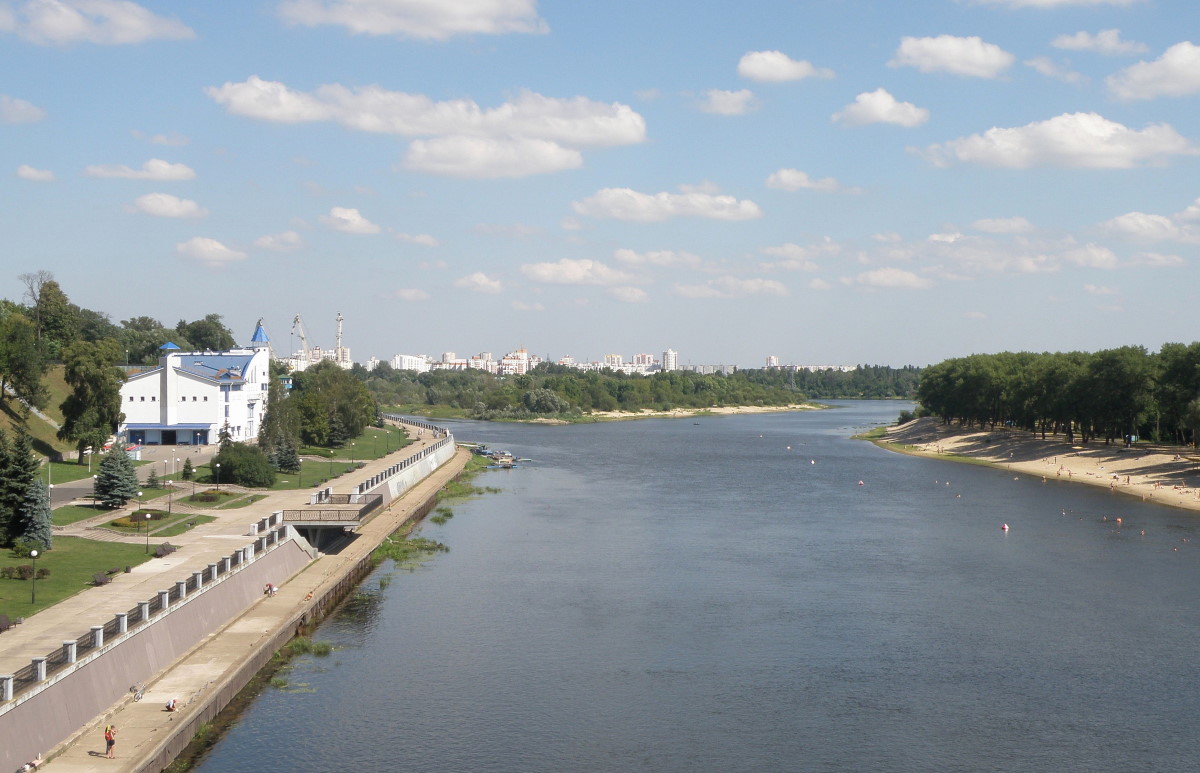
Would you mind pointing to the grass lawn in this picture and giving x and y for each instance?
(68, 514)
(312, 473)
(183, 525)
(373, 443)
(72, 563)
(242, 502)
(222, 498)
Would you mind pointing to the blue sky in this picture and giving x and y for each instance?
(837, 181)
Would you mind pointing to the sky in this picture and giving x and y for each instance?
(827, 182)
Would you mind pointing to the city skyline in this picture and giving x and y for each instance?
(850, 182)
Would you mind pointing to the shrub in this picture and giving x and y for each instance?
(8, 572)
(21, 547)
(245, 465)
(25, 572)
(905, 417)
(43, 573)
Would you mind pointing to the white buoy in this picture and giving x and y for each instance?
(812, 461)
(1004, 527)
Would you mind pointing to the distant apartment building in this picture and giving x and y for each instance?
(418, 362)
(645, 360)
(613, 361)
(569, 361)
(772, 361)
(518, 362)
(670, 360)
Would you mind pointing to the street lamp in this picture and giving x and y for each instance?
(170, 491)
(217, 466)
(33, 592)
(94, 490)
(147, 533)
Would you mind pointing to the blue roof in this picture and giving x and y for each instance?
(260, 334)
(219, 367)
(167, 345)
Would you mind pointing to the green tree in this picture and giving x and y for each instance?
(207, 334)
(35, 516)
(92, 411)
(18, 468)
(152, 480)
(116, 480)
(189, 471)
(21, 363)
(58, 319)
(244, 465)
(288, 457)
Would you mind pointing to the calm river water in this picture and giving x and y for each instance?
(722, 595)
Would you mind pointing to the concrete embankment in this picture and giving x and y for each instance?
(209, 652)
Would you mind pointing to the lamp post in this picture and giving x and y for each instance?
(147, 533)
(94, 490)
(217, 467)
(170, 491)
(33, 592)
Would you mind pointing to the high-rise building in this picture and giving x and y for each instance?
(670, 360)
(772, 361)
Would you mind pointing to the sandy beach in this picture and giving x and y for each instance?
(1166, 475)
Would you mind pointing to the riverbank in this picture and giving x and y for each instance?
(681, 413)
(1165, 475)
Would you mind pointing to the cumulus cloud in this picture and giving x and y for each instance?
(1003, 225)
(629, 294)
(349, 220)
(411, 294)
(479, 282)
(1051, 69)
(170, 139)
(575, 272)
(529, 134)
(947, 53)
(728, 102)
(658, 258)
(155, 169)
(488, 157)
(890, 278)
(1174, 74)
(104, 22)
(1077, 140)
(208, 251)
(628, 204)
(418, 19)
(1156, 260)
(166, 205)
(879, 106)
(1106, 42)
(1145, 227)
(26, 172)
(795, 180)
(1091, 256)
(288, 241)
(424, 240)
(14, 111)
(776, 67)
(792, 257)
(731, 287)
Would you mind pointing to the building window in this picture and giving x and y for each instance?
(143, 398)
(183, 398)
(131, 398)
(193, 398)
(153, 398)
(206, 398)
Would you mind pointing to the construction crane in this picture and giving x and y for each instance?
(302, 361)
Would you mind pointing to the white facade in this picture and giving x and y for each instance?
(417, 362)
(670, 360)
(190, 396)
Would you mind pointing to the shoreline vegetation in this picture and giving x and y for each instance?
(1162, 474)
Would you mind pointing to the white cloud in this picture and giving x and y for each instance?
(14, 111)
(420, 19)
(1076, 140)
(1098, 290)
(424, 240)
(1003, 225)
(629, 294)
(628, 204)
(1174, 74)
(575, 272)
(890, 278)
(1091, 256)
(26, 172)
(1156, 260)
(1051, 69)
(946, 238)
(166, 205)
(795, 180)
(731, 287)
(287, 241)
(1055, 3)
(793, 258)
(704, 186)
(1143, 227)
(349, 221)
(776, 67)
(170, 139)
(479, 282)
(947, 53)
(523, 306)
(104, 22)
(411, 294)
(723, 102)
(518, 231)
(210, 252)
(879, 106)
(489, 158)
(819, 284)
(155, 169)
(1106, 42)
(660, 258)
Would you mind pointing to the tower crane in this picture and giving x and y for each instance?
(298, 329)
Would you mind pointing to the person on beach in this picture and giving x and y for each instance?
(110, 741)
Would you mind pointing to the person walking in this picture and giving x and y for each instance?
(110, 741)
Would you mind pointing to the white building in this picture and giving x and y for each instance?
(418, 362)
(190, 396)
(670, 360)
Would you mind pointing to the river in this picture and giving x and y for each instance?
(721, 594)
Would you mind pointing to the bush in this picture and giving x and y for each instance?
(245, 465)
(905, 417)
(212, 495)
(8, 572)
(22, 547)
(25, 572)
(43, 573)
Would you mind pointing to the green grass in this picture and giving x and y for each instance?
(244, 501)
(68, 514)
(72, 563)
(223, 498)
(430, 411)
(373, 443)
(182, 525)
(312, 472)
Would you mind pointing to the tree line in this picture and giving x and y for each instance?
(1109, 394)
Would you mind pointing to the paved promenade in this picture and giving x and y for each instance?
(144, 725)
